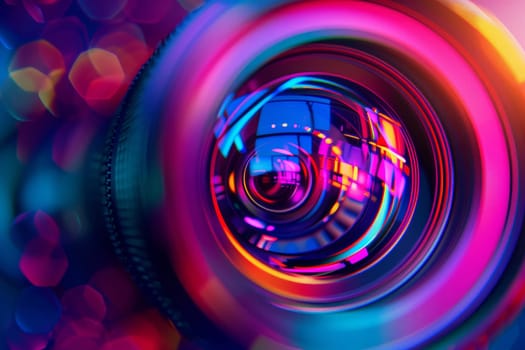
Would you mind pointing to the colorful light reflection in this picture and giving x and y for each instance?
(365, 157)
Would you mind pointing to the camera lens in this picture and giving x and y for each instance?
(309, 176)
(334, 179)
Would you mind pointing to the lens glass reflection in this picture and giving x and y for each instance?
(310, 174)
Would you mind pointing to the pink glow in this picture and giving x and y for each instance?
(254, 222)
(357, 257)
(43, 263)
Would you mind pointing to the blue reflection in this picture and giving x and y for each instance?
(284, 130)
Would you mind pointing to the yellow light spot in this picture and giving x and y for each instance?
(231, 182)
(346, 169)
(352, 136)
(394, 160)
(389, 133)
(337, 165)
(334, 208)
(390, 120)
(506, 46)
(47, 97)
(336, 184)
(495, 32)
(31, 80)
(337, 150)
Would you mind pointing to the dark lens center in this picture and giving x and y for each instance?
(279, 186)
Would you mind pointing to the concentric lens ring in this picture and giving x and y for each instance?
(366, 177)
(463, 228)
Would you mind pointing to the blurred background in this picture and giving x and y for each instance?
(65, 66)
